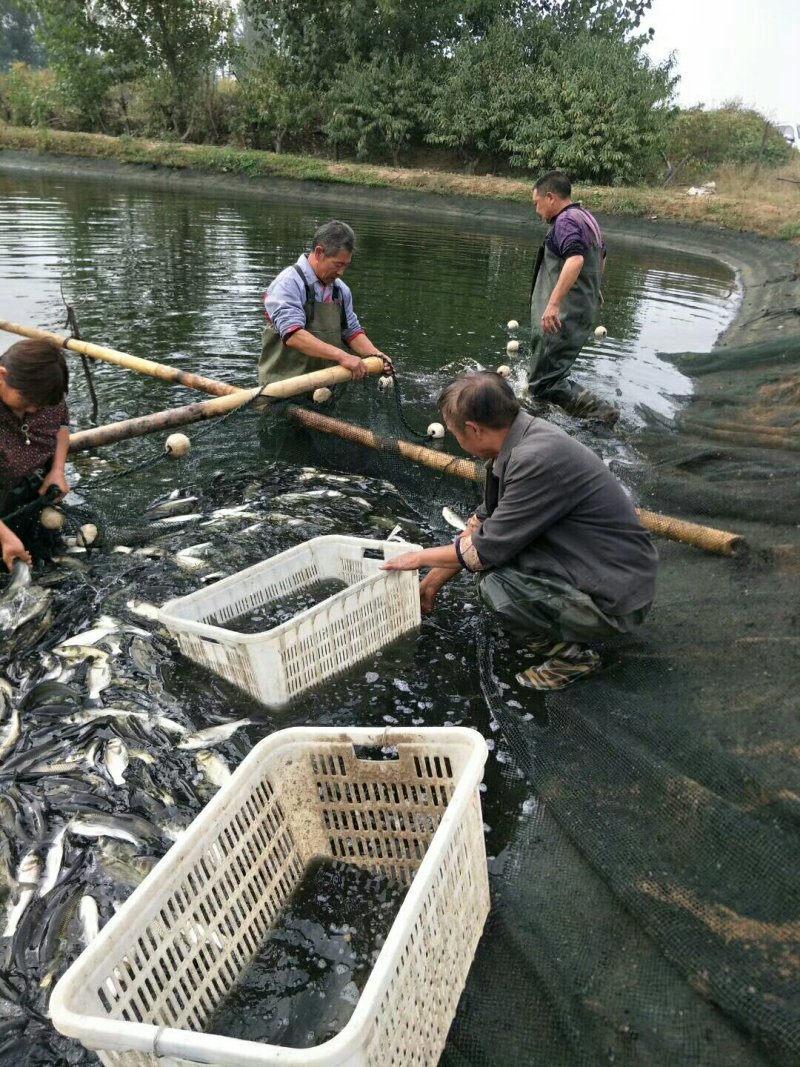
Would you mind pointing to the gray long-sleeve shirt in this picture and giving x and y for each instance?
(560, 511)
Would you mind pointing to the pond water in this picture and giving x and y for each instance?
(178, 278)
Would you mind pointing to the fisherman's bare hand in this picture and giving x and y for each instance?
(428, 591)
(551, 320)
(409, 561)
(13, 548)
(355, 365)
(57, 479)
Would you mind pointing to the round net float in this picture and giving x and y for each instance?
(386, 383)
(512, 324)
(436, 431)
(600, 331)
(52, 518)
(512, 346)
(504, 370)
(87, 535)
(321, 395)
(177, 444)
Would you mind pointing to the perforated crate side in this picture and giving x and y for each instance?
(180, 964)
(414, 1017)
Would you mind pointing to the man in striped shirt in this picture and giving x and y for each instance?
(311, 323)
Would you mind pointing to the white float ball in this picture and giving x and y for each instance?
(512, 324)
(386, 383)
(512, 346)
(178, 444)
(436, 431)
(600, 331)
(321, 395)
(87, 535)
(504, 371)
(52, 518)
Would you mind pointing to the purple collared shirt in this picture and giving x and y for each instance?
(284, 301)
(574, 232)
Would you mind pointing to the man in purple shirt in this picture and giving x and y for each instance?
(311, 323)
(565, 298)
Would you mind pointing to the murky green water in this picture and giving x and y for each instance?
(178, 278)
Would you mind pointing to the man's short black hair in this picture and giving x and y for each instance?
(556, 182)
(334, 236)
(483, 397)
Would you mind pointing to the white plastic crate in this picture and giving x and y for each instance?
(276, 665)
(142, 991)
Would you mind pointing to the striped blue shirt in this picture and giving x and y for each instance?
(284, 301)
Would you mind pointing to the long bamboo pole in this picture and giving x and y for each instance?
(122, 359)
(705, 537)
(159, 420)
(289, 387)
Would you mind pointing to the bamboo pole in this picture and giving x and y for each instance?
(282, 390)
(690, 533)
(122, 359)
(663, 525)
(440, 461)
(159, 420)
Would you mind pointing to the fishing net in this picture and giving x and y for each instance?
(641, 825)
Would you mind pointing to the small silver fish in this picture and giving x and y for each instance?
(452, 519)
(28, 874)
(89, 915)
(85, 826)
(116, 759)
(213, 766)
(179, 505)
(212, 735)
(52, 863)
(98, 677)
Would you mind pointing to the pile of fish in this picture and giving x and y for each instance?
(102, 766)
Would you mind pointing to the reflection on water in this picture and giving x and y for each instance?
(178, 278)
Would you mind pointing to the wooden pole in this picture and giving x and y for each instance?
(663, 525)
(122, 359)
(289, 387)
(706, 537)
(159, 420)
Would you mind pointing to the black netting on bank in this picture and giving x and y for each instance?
(641, 825)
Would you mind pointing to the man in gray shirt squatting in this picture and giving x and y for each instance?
(557, 549)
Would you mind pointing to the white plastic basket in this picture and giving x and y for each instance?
(276, 665)
(142, 991)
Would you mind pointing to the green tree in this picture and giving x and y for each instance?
(700, 139)
(274, 102)
(18, 43)
(597, 109)
(476, 105)
(179, 43)
(376, 107)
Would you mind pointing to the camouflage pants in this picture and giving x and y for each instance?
(538, 605)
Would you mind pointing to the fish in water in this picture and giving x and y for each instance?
(9, 727)
(212, 735)
(310, 495)
(116, 759)
(98, 678)
(52, 863)
(21, 602)
(28, 875)
(452, 519)
(173, 505)
(90, 918)
(213, 766)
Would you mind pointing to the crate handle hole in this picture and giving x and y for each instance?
(376, 753)
(373, 553)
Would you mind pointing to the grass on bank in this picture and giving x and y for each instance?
(758, 200)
